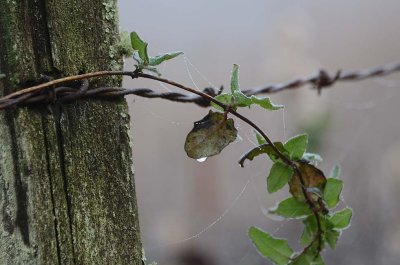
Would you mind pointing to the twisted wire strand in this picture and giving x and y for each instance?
(50, 93)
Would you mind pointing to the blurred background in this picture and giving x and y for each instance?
(199, 213)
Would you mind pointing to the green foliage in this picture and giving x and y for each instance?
(296, 146)
(275, 249)
(210, 135)
(263, 149)
(2, 76)
(291, 208)
(312, 193)
(144, 61)
(332, 191)
(278, 176)
(238, 99)
(341, 219)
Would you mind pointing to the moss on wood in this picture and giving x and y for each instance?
(67, 190)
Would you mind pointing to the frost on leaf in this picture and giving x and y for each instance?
(210, 135)
(313, 179)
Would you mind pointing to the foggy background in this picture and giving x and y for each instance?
(199, 213)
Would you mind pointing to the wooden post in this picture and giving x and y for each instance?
(67, 193)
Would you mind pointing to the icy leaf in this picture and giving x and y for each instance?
(210, 135)
(154, 61)
(235, 79)
(260, 139)
(332, 191)
(275, 249)
(313, 178)
(139, 45)
(341, 219)
(223, 98)
(278, 176)
(262, 149)
(335, 173)
(291, 208)
(296, 146)
(265, 103)
(312, 158)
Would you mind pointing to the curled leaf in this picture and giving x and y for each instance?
(262, 149)
(154, 61)
(313, 178)
(210, 135)
(241, 100)
(140, 46)
(265, 103)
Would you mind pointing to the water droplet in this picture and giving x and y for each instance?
(201, 160)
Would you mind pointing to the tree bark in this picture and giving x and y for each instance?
(67, 193)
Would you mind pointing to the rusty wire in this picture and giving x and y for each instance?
(49, 93)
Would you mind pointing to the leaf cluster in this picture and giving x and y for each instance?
(142, 58)
(313, 196)
(321, 226)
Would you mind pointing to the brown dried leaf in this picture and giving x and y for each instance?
(313, 178)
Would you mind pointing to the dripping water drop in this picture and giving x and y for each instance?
(202, 159)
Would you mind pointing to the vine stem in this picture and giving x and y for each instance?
(43, 86)
(137, 74)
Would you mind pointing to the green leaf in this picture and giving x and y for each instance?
(335, 173)
(235, 79)
(240, 99)
(310, 229)
(154, 61)
(279, 175)
(137, 58)
(341, 219)
(332, 236)
(312, 158)
(224, 98)
(265, 103)
(210, 135)
(313, 178)
(332, 190)
(296, 146)
(260, 139)
(308, 258)
(275, 249)
(262, 149)
(2, 76)
(139, 45)
(291, 208)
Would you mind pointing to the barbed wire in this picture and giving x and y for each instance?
(49, 92)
